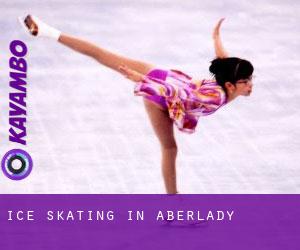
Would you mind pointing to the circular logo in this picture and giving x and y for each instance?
(16, 164)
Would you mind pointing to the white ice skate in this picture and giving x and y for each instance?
(37, 27)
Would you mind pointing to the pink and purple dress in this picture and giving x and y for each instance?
(184, 100)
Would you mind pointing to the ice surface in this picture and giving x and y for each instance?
(87, 133)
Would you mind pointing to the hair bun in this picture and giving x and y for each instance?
(216, 66)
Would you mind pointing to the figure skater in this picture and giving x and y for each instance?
(170, 96)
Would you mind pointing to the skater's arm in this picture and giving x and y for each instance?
(219, 49)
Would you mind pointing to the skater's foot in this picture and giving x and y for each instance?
(31, 25)
(37, 27)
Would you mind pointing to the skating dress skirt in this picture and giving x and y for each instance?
(184, 100)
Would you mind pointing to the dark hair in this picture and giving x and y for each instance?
(230, 69)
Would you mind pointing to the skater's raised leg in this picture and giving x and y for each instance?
(36, 27)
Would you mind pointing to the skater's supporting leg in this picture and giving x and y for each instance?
(163, 127)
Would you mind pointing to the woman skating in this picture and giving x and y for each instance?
(170, 96)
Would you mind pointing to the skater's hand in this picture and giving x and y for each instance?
(131, 74)
(216, 32)
(219, 49)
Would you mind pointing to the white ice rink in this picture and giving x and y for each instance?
(87, 133)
